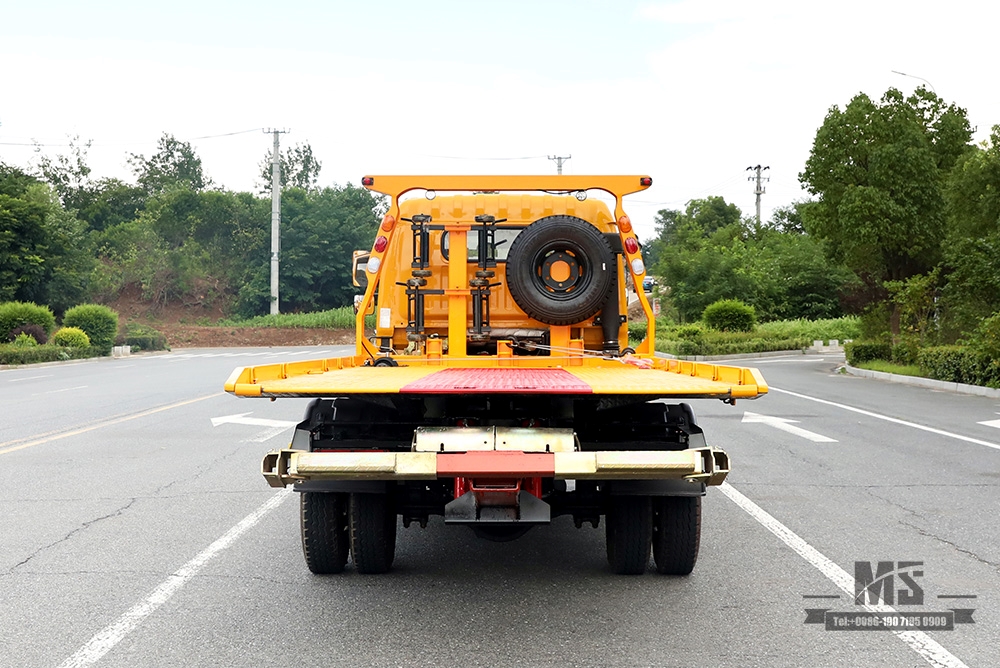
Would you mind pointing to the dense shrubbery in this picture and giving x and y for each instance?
(960, 364)
(142, 337)
(986, 338)
(11, 354)
(729, 315)
(71, 337)
(19, 314)
(690, 340)
(859, 352)
(99, 322)
(36, 332)
(842, 329)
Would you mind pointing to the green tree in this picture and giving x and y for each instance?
(174, 165)
(698, 254)
(878, 171)
(66, 173)
(299, 168)
(319, 232)
(45, 256)
(22, 249)
(972, 251)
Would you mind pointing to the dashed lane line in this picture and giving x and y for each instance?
(49, 437)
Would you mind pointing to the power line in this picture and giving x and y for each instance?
(460, 157)
(228, 134)
(124, 142)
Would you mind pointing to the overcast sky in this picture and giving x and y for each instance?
(689, 92)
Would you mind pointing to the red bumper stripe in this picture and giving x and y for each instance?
(496, 464)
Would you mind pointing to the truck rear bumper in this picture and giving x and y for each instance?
(707, 465)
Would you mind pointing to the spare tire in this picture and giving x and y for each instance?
(560, 270)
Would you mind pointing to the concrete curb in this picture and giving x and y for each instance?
(929, 383)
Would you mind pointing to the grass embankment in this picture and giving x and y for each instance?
(697, 339)
(890, 367)
(337, 318)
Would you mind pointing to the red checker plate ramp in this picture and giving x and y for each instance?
(508, 381)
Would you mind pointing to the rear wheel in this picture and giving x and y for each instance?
(629, 528)
(676, 533)
(323, 522)
(372, 532)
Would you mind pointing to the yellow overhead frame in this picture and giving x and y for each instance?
(396, 186)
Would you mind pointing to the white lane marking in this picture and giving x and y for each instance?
(112, 634)
(991, 423)
(65, 389)
(240, 418)
(879, 416)
(784, 424)
(919, 642)
(18, 380)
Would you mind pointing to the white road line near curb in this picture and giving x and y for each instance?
(920, 642)
(922, 427)
(111, 635)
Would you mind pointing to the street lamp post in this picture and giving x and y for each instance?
(913, 76)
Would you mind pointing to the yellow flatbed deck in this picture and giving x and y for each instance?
(418, 375)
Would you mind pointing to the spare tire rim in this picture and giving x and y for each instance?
(559, 272)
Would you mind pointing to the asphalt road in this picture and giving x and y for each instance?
(136, 533)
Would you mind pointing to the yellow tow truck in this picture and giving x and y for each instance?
(498, 388)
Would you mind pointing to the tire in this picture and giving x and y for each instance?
(372, 532)
(676, 533)
(576, 247)
(323, 522)
(629, 524)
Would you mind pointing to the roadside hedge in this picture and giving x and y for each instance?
(858, 352)
(959, 364)
(142, 337)
(11, 354)
(18, 314)
(99, 322)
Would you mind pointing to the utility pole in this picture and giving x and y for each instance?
(275, 217)
(759, 190)
(560, 159)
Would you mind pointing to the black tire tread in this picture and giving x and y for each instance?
(323, 523)
(676, 534)
(629, 531)
(372, 533)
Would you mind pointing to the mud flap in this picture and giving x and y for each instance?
(529, 510)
